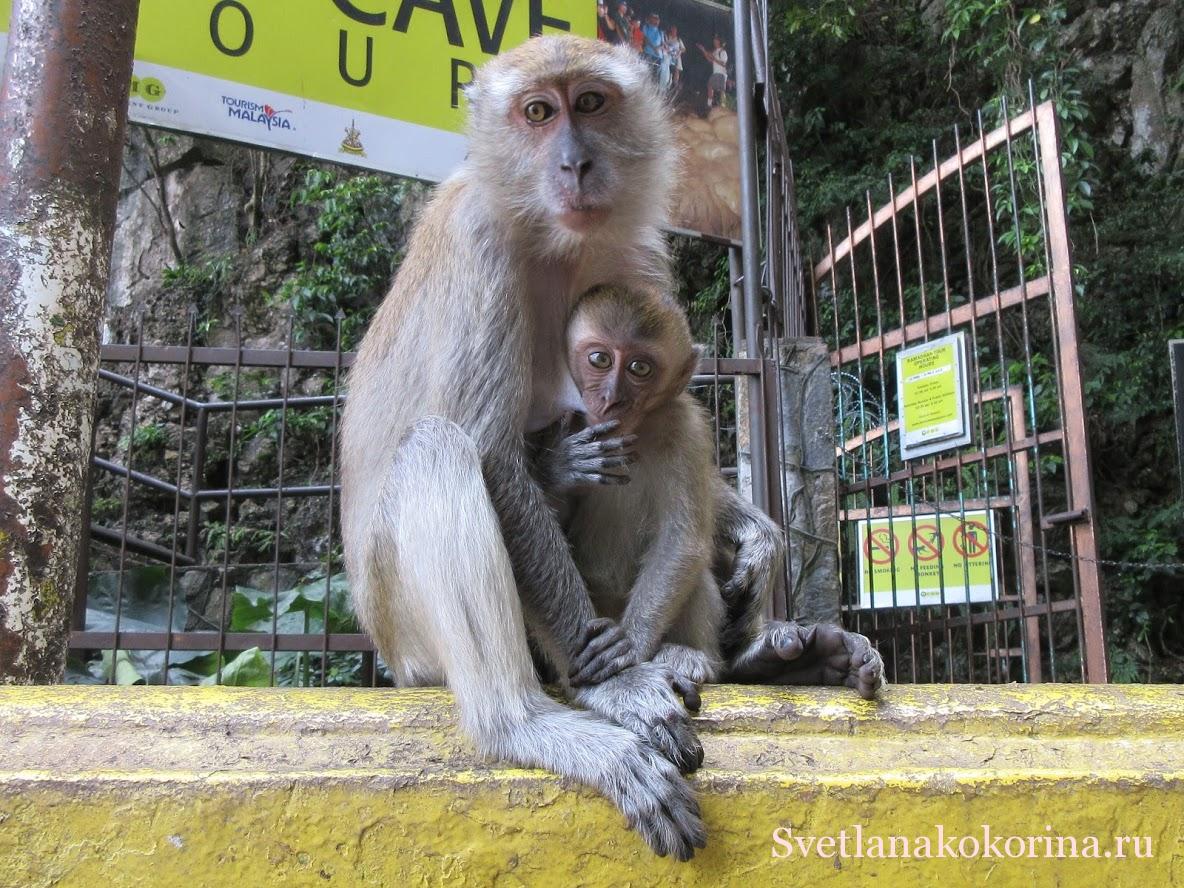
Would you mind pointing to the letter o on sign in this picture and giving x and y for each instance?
(216, 28)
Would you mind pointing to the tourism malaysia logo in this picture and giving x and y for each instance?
(261, 114)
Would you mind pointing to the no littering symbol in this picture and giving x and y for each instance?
(971, 539)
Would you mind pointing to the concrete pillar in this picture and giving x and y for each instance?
(808, 440)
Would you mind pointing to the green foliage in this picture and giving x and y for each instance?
(241, 539)
(143, 606)
(148, 439)
(310, 424)
(353, 257)
(205, 285)
(867, 84)
(103, 508)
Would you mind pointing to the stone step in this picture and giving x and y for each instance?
(257, 787)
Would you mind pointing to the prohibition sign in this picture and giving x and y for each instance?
(971, 539)
(880, 546)
(925, 542)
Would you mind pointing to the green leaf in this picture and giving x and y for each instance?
(249, 609)
(249, 669)
(125, 673)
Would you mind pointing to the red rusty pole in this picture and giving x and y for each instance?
(63, 112)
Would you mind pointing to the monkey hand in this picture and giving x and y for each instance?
(690, 663)
(588, 458)
(823, 654)
(606, 651)
(648, 699)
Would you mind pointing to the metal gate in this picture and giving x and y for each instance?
(975, 245)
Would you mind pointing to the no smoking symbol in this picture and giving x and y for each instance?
(925, 542)
(971, 539)
(880, 546)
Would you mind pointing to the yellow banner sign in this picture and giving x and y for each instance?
(405, 59)
(379, 83)
(374, 83)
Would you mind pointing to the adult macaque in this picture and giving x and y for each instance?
(450, 545)
(647, 549)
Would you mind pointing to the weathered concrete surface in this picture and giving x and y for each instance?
(227, 786)
(808, 441)
(63, 111)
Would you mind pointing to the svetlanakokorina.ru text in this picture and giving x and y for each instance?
(985, 843)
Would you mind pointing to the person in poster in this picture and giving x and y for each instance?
(674, 50)
(707, 195)
(717, 84)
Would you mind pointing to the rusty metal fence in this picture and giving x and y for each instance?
(215, 551)
(976, 244)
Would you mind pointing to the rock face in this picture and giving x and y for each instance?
(1134, 51)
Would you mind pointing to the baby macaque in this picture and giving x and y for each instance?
(645, 548)
(654, 529)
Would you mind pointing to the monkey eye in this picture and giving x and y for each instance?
(587, 103)
(641, 369)
(539, 111)
(600, 360)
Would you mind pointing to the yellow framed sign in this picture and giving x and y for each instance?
(933, 396)
(372, 83)
(927, 559)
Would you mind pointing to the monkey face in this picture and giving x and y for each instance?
(572, 135)
(618, 380)
(568, 127)
(629, 352)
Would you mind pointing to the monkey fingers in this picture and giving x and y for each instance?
(688, 663)
(644, 700)
(591, 440)
(865, 672)
(601, 470)
(750, 572)
(586, 459)
(688, 689)
(606, 651)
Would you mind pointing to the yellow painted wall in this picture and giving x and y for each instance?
(255, 787)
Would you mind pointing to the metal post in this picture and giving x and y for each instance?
(1081, 492)
(750, 237)
(63, 111)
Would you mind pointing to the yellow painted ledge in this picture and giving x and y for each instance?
(192, 787)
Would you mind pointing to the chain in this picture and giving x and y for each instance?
(1173, 566)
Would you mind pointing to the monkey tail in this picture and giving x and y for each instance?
(757, 546)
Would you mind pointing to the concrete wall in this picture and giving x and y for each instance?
(255, 787)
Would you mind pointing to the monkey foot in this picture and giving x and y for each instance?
(823, 654)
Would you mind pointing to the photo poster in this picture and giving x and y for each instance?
(379, 84)
(703, 92)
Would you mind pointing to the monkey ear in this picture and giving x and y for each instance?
(689, 368)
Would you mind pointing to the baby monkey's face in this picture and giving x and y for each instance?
(629, 352)
(618, 377)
